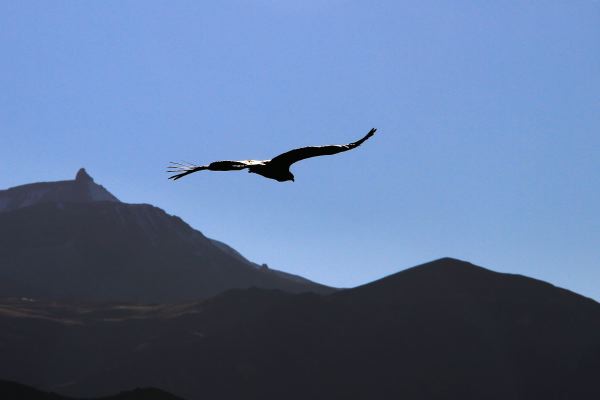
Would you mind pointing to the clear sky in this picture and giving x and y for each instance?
(488, 113)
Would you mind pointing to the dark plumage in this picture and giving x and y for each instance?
(278, 168)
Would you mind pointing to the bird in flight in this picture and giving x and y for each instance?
(278, 168)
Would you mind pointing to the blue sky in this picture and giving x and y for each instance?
(488, 113)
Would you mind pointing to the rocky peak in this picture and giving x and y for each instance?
(82, 189)
(83, 176)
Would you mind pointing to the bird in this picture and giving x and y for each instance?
(277, 168)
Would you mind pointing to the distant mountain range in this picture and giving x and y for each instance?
(75, 240)
(98, 297)
(443, 330)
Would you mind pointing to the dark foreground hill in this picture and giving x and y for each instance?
(442, 330)
(16, 391)
(75, 240)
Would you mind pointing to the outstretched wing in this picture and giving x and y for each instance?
(292, 156)
(181, 170)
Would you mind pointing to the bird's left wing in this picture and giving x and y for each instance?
(181, 170)
(290, 157)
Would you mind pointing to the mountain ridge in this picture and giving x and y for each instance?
(66, 243)
(447, 269)
(483, 334)
(107, 295)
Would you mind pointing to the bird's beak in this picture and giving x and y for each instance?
(293, 180)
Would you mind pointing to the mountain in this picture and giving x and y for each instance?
(82, 189)
(442, 330)
(75, 240)
(16, 391)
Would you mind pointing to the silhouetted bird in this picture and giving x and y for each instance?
(278, 168)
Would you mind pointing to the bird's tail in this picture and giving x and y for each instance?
(180, 170)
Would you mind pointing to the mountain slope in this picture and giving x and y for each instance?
(442, 330)
(67, 244)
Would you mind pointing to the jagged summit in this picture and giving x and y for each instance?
(82, 189)
(83, 176)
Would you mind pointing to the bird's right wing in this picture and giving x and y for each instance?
(181, 170)
(290, 157)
